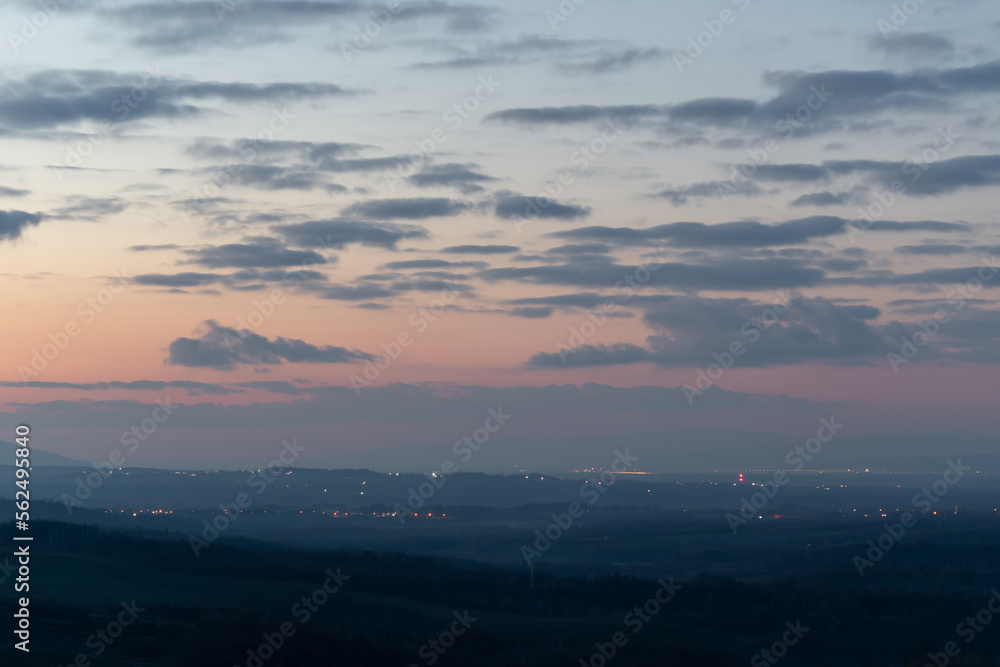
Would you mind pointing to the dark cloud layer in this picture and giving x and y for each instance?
(744, 234)
(259, 253)
(918, 178)
(338, 234)
(226, 348)
(169, 26)
(413, 208)
(59, 98)
(714, 274)
(912, 45)
(480, 249)
(193, 388)
(841, 94)
(13, 223)
(519, 206)
(460, 176)
(689, 331)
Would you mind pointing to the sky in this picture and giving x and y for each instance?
(692, 229)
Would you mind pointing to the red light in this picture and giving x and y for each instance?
(741, 477)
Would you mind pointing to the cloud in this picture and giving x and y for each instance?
(843, 94)
(714, 110)
(862, 312)
(932, 249)
(721, 274)
(289, 277)
(414, 208)
(90, 208)
(513, 206)
(532, 312)
(480, 249)
(168, 26)
(619, 61)
(338, 234)
(984, 274)
(918, 226)
(274, 386)
(691, 331)
(271, 177)
(12, 192)
(428, 286)
(917, 177)
(842, 264)
(582, 300)
(13, 223)
(261, 252)
(152, 248)
(226, 348)
(594, 355)
(466, 62)
(454, 175)
(921, 179)
(580, 249)
(272, 151)
(247, 279)
(743, 234)
(827, 198)
(791, 173)
(61, 98)
(912, 45)
(972, 335)
(582, 113)
(680, 196)
(363, 291)
(523, 50)
(186, 279)
(193, 388)
(287, 165)
(431, 264)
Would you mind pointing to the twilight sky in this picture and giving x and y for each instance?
(364, 225)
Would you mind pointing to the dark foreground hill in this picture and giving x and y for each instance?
(229, 606)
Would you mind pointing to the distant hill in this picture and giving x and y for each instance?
(915, 464)
(39, 457)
